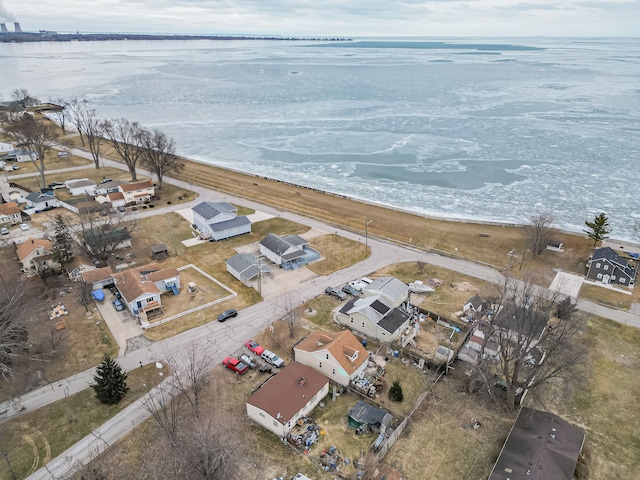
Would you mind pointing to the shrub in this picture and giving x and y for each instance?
(395, 392)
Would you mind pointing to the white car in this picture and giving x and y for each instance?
(24, 226)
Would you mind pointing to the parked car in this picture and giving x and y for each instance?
(236, 365)
(357, 285)
(273, 359)
(254, 347)
(248, 360)
(227, 314)
(350, 290)
(24, 227)
(121, 208)
(335, 293)
(4, 231)
(118, 305)
(63, 154)
(16, 167)
(366, 280)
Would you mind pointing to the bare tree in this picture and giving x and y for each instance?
(13, 332)
(36, 136)
(158, 154)
(164, 405)
(85, 293)
(23, 98)
(292, 312)
(190, 371)
(125, 137)
(531, 349)
(421, 266)
(540, 231)
(90, 127)
(99, 235)
(61, 114)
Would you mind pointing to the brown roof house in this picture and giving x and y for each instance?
(284, 398)
(9, 213)
(98, 278)
(35, 253)
(137, 192)
(339, 356)
(540, 446)
(141, 287)
(78, 265)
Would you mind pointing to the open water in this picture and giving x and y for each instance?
(484, 129)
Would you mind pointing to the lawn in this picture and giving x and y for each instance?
(338, 252)
(34, 438)
(609, 297)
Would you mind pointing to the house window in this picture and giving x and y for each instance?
(275, 424)
(598, 265)
(383, 334)
(362, 324)
(621, 279)
(613, 277)
(351, 319)
(334, 371)
(320, 364)
(261, 414)
(599, 276)
(606, 267)
(327, 356)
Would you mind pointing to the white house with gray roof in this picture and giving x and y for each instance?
(288, 251)
(81, 186)
(245, 267)
(373, 317)
(219, 220)
(41, 201)
(390, 288)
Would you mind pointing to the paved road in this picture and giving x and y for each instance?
(222, 339)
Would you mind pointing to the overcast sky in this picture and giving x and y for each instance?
(333, 17)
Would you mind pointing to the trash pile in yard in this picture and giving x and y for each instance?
(305, 434)
(370, 382)
(330, 460)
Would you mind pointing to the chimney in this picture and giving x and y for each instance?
(17, 28)
(3, 28)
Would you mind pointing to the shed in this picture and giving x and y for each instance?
(364, 414)
(159, 251)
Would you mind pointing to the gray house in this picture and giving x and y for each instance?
(607, 267)
(392, 289)
(373, 317)
(41, 201)
(217, 221)
(289, 251)
(245, 267)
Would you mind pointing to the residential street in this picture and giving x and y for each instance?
(224, 338)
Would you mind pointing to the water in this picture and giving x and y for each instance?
(484, 130)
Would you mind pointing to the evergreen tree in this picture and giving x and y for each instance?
(395, 391)
(62, 241)
(110, 381)
(598, 229)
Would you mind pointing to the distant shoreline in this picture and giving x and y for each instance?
(46, 36)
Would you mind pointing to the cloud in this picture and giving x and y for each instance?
(337, 17)
(6, 14)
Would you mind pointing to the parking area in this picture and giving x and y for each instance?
(567, 284)
(121, 324)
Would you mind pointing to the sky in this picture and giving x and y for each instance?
(350, 18)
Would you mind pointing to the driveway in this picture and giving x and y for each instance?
(121, 324)
(567, 284)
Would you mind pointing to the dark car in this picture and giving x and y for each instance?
(335, 293)
(254, 347)
(227, 314)
(350, 290)
(236, 365)
(118, 305)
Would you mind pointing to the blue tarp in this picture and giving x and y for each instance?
(98, 295)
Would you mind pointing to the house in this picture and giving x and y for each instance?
(218, 221)
(35, 253)
(472, 349)
(20, 156)
(606, 266)
(141, 287)
(367, 417)
(521, 321)
(41, 201)
(79, 265)
(390, 288)
(540, 446)
(108, 187)
(339, 356)
(245, 267)
(100, 242)
(5, 148)
(284, 398)
(116, 199)
(373, 317)
(82, 186)
(9, 213)
(98, 278)
(137, 192)
(288, 251)
(474, 304)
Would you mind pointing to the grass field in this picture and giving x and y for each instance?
(31, 442)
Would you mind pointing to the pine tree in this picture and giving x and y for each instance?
(598, 229)
(62, 242)
(110, 381)
(395, 391)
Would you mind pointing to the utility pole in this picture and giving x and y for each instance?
(366, 235)
(6, 457)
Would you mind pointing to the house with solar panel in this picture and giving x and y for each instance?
(374, 317)
(219, 220)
